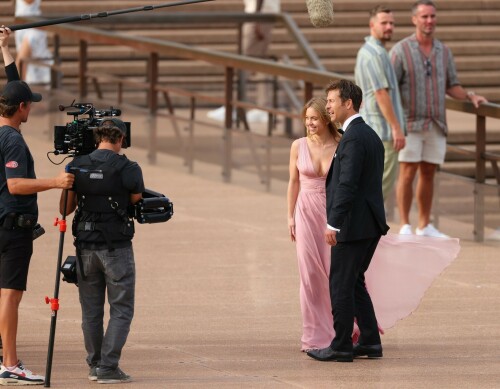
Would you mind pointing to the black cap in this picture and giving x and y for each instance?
(17, 92)
(118, 123)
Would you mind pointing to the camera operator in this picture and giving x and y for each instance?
(106, 183)
(18, 212)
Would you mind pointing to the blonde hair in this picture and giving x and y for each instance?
(319, 105)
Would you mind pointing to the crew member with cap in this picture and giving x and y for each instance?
(18, 212)
(106, 183)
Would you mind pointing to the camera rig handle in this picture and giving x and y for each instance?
(153, 208)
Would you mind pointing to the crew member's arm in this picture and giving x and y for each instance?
(459, 93)
(27, 186)
(135, 197)
(10, 65)
(4, 43)
(133, 181)
(385, 104)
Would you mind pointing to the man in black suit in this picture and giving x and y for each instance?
(356, 221)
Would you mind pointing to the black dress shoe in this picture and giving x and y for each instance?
(373, 351)
(329, 354)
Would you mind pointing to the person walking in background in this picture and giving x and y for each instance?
(310, 160)
(256, 38)
(426, 73)
(32, 44)
(382, 109)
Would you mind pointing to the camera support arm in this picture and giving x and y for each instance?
(103, 14)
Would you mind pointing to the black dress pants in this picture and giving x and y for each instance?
(349, 296)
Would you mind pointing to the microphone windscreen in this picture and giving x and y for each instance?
(62, 107)
(320, 12)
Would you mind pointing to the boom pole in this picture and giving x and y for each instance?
(104, 14)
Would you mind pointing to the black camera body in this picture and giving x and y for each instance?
(77, 137)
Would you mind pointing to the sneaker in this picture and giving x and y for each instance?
(257, 116)
(116, 376)
(93, 373)
(19, 376)
(406, 230)
(219, 114)
(430, 230)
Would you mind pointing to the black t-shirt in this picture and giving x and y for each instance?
(16, 162)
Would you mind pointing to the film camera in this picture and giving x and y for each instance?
(77, 137)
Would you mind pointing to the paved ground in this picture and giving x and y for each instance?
(217, 299)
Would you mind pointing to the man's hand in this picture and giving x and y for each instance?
(4, 36)
(399, 140)
(65, 180)
(331, 237)
(477, 100)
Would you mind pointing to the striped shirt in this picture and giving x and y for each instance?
(374, 72)
(423, 82)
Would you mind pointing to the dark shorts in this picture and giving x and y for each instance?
(16, 248)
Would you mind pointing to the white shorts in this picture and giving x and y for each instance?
(425, 146)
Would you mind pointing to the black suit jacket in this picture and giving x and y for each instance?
(354, 200)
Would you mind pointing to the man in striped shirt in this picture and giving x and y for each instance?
(382, 109)
(426, 73)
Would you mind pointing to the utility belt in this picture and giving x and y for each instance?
(126, 229)
(12, 221)
(110, 232)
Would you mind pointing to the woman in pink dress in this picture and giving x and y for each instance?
(310, 159)
(402, 268)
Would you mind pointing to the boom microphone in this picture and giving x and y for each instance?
(320, 12)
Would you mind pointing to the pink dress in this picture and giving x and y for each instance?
(402, 268)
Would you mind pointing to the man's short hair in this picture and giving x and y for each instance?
(421, 2)
(111, 130)
(379, 9)
(348, 90)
